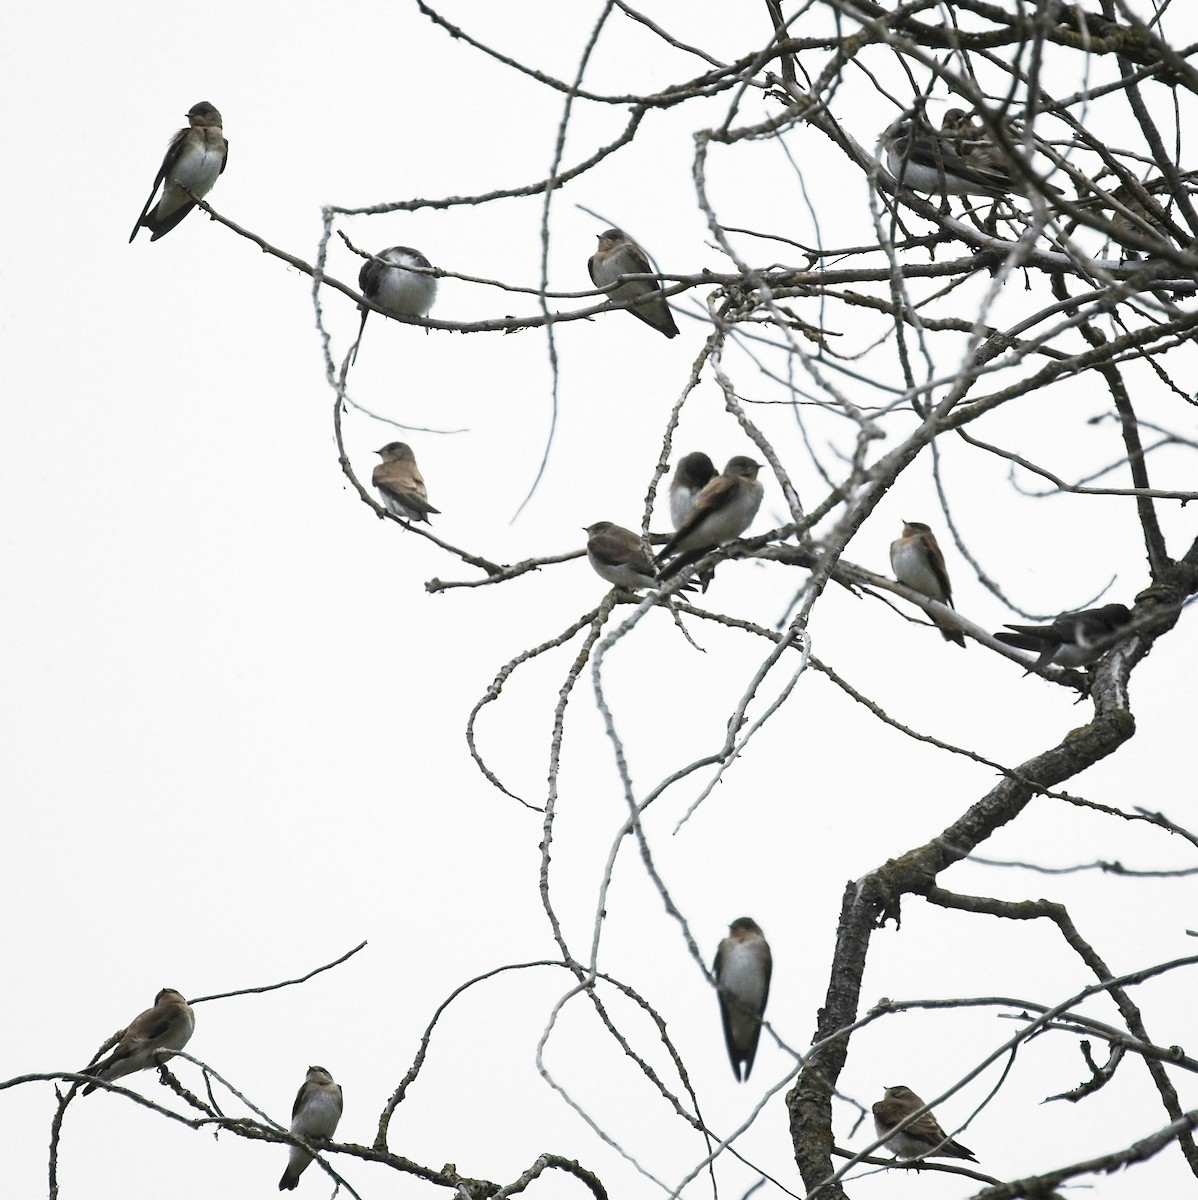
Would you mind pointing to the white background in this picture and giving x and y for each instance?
(233, 720)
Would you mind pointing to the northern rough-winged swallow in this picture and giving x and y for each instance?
(400, 292)
(1144, 220)
(742, 973)
(166, 1026)
(194, 159)
(723, 510)
(400, 483)
(917, 562)
(966, 134)
(923, 1138)
(960, 129)
(619, 255)
(692, 474)
(618, 557)
(1073, 640)
(926, 161)
(314, 1116)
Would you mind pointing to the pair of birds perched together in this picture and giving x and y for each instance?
(742, 969)
(961, 159)
(154, 1035)
(1073, 639)
(195, 159)
(958, 160)
(389, 281)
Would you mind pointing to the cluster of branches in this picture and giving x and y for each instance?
(1094, 250)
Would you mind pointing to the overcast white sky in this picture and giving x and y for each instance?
(233, 720)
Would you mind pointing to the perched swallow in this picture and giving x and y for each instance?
(723, 510)
(618, 557)
(917, 562)
(923, 1138)
(400, 292)
(314, 1116)
(968, 137)
(692, 474)
(742, 973)
(166, 1026)
(1143, 220)
(619, 255)
(1073, 639)
(926, 161)
(959, 128)
(194, 158)
(400, 483)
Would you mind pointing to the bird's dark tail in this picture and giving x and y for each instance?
(353, 358)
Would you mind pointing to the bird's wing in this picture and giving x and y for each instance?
(301, 1098)
(614, 550)
(717, 494)
(173, 150)
(936, 563)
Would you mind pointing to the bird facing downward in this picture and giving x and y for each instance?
(396, 290)
(400, 483)
(742, 973)
(923, 1138)
(722, 511)
(917, 562)
(166, 1027)
(314, 1116)
(194, 159)
(619, 255)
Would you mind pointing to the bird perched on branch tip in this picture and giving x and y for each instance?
(194, 160)
(165, 1027)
